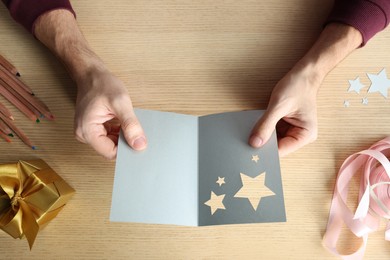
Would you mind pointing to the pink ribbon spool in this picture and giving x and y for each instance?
(374, 198)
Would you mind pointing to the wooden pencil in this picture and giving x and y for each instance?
(8, 65)
(17, 84)
(5, 137)
(11, 85)
(4, 128)
(36, 98)
(18, 132)
(23, 100)
(41, 103)
(16, 102)
(5, 111)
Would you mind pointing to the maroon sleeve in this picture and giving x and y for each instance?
(26, 12)
(367, 16)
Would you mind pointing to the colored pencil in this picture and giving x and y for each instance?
(5, 137)
(5, 111)
(18, 132)
(4, 128)
(11, 85)
(17, 84)
(23, 100)
(8, 65)
(21, 92)
(16, 102)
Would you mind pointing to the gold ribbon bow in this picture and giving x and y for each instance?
(31, 194)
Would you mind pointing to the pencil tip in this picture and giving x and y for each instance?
(18, 74)
(12, 118)
(34, 147)
(32, 94)
(11, 134)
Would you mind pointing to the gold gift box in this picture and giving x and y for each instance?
(31, 195)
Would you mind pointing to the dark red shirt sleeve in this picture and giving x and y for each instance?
(26, 12)
(367, 16)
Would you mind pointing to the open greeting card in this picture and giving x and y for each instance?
(198, 171)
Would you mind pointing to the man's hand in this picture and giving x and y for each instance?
(292, 111)
(103, 103)
(103, 106)
(292, 107)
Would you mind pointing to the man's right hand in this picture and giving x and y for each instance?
(103, 107)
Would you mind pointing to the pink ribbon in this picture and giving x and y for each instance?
(374, 198)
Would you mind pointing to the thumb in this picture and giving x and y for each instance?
(131, 127)
(263, 129)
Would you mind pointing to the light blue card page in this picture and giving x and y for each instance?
(198, 171)
(160, 184)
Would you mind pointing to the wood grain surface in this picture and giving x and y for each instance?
(195, 57)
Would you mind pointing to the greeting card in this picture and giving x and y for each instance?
(198, 171)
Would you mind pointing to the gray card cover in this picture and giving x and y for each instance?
(198, 171)
(252, 189)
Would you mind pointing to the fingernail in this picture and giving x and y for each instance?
(255, 141)
(139, 143)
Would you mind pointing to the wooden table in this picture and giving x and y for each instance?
(195, 57)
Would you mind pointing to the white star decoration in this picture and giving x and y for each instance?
(215, 202)
(379, 83)
(254, 189)
(346, 103)
(220, 181)
(355, 85)
(365, 101)
(255, 158)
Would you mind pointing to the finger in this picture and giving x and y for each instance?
(99, 139)
(282, 128)
(114, 138)
(295, 139)
(103, 145)
(132, 129)
(112, 127)
(264, 128)
(288, 145)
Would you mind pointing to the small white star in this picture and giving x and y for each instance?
(346, 103)
(215, 202)
(379, 83)
(220, 181)
(255, 158)
(355, 85)
(365, 101)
